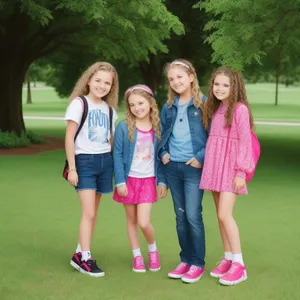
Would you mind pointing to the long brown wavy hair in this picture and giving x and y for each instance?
(130, 119)
(82, 88)
(237, 94)
(196, 92)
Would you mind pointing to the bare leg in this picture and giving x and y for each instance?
(88, 206)
(97, 202)
(225, 242)
(225, 208)
(143, 217)
(132, 225)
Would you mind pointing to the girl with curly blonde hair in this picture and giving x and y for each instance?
(88, 149)
(182, 153)
(138, 170)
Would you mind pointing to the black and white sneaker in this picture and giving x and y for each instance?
(90, 267)
(76, 261)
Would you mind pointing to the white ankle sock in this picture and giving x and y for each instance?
(152, 247)
(78, 249)
(238, 258)
(86, 255)
(136, 252)
(228, 255)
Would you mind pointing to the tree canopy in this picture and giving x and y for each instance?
(115, 29)
(244, 31)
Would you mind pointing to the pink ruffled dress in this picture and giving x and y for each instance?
(219, 167)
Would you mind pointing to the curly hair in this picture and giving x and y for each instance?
(130, 119)
(82, 88)
(237, 94)
(186, 66)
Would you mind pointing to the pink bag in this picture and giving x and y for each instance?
(255, 149)
(255, 154)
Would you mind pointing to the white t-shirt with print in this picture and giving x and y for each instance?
(94, 135)
(143, 157)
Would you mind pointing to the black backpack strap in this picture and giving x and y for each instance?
(110, 120)
(84, 115)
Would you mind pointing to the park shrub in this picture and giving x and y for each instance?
(12, 140)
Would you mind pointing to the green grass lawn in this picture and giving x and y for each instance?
(261, 97)
(39, 215)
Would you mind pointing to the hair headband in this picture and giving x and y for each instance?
(139, 87)
(176, 62)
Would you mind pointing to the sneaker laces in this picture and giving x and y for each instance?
(181, 265)
(193, 269)
(153, 257)
(221, 262)
(233, 268)
(139, 261)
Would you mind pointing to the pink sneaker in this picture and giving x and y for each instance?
(154, 261)
(236, 274)
(193, 275)
(180, 270)
(221, 269)
(138, 264)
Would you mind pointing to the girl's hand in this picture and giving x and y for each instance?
(162, 191)
(238, 184)
(73, 177)
(122, 190)
(193, 162)
(166, 158)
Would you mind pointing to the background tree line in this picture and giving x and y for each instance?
(57, 40)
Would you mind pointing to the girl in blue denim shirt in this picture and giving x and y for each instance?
(89, 156)
(137, 170)
(182, 152)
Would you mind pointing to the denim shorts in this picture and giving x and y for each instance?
(95, 172)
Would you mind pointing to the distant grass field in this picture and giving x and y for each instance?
(261, 97)
(39, 216)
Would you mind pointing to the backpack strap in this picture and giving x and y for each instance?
(110, 120)
(84, 115)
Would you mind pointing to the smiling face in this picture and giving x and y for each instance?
(100, 84)
(221, 88)
(179, 80)
(139, 106)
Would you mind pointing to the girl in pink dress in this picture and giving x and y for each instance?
(228, 158)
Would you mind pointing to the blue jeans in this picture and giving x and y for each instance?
(187, 199)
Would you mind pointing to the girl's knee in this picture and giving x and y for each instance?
(223, 218)
(145, 224)
(89, 215)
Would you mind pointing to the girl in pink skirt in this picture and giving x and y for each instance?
(138, 170)
(228, 158)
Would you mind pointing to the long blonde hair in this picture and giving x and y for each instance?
(186, 66)
(237, 94)
(130, 119)
(82, 88)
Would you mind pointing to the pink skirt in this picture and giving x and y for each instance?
(140, 190)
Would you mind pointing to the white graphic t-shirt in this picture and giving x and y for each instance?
(143, 158)
(95, 133)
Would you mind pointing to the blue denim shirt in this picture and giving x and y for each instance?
(123, 155)
(198, 133)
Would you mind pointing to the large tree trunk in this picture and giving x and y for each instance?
(11, 81)
(13, 68)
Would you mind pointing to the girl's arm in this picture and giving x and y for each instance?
(69, 143)
(244, 163)
(118, 154)
(162, 151)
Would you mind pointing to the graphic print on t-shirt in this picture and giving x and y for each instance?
(98, 126)
(144, 147)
